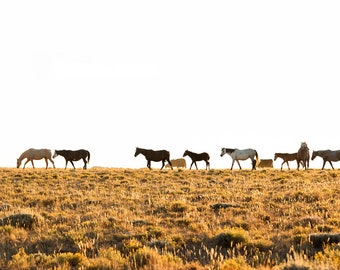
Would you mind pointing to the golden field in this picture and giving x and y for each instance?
(104, 218)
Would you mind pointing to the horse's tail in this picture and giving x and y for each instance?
(88, 156)
(257, 158)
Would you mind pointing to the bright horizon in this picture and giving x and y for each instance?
(112, 76)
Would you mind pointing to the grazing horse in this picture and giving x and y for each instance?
(179, 163)
(327, 155)
(303, 156)
(35, 154)
(198, 157)
(244, 154)
(286, 157)
(71, 156)
(151, 155)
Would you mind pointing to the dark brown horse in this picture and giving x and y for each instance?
(327, 155)
(71, 156)
(151, 155)
(303, 156)
(198, 157)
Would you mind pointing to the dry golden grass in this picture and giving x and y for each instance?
(181, 219)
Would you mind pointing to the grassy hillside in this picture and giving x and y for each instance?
(181, 219)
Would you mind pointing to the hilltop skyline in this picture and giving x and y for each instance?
(110, 77)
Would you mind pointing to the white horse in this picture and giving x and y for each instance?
(244, 154)
(35, 154)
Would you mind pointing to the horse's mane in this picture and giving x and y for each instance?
(230, 150)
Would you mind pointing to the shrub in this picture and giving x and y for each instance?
(27, 221)
(179, 207)
(231, 237)
(318, 240)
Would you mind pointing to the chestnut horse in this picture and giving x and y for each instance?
(151, 155)
(71, 156)
(198, 157)
(303, 156)
(286, 157)
(35, 154)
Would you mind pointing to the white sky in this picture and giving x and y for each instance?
(108, 76)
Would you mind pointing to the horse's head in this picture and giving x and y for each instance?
(137, 151)
(304, 145)
(223, 152)
(227, 151)
(185, 153)
(18, 163)
(55, 154)
(314, 154)
(275, 156)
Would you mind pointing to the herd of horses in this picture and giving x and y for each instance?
(301, 157)
(69, 156)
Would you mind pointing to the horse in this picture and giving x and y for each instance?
(151, 155)
(286, 157)
(244, 154)
(198, 157)
(35, 154)
(327, 155)
(179, 163)
(303, 156)
(71, 156)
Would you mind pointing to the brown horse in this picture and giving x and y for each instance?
(71, 156)
(286, 157)
(303, 156)
(327, 155)
(151, 155)
(35, 154)
(198, 157)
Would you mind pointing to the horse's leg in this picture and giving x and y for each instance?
(148, 164)
(191, 165)
(238, 164)
(330, 162)
(52, 162)
(169, 162)
(282, 165)
(207, 165)
(253, 163)
(85, 167)
(66, 164)
(26, 163)
(72, 164)
(32, 163)
(232, 164)
(163, 163)
(288, 165)
(46, 163)
(196, 165)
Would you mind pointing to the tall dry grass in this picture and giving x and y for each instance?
(181, 219)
